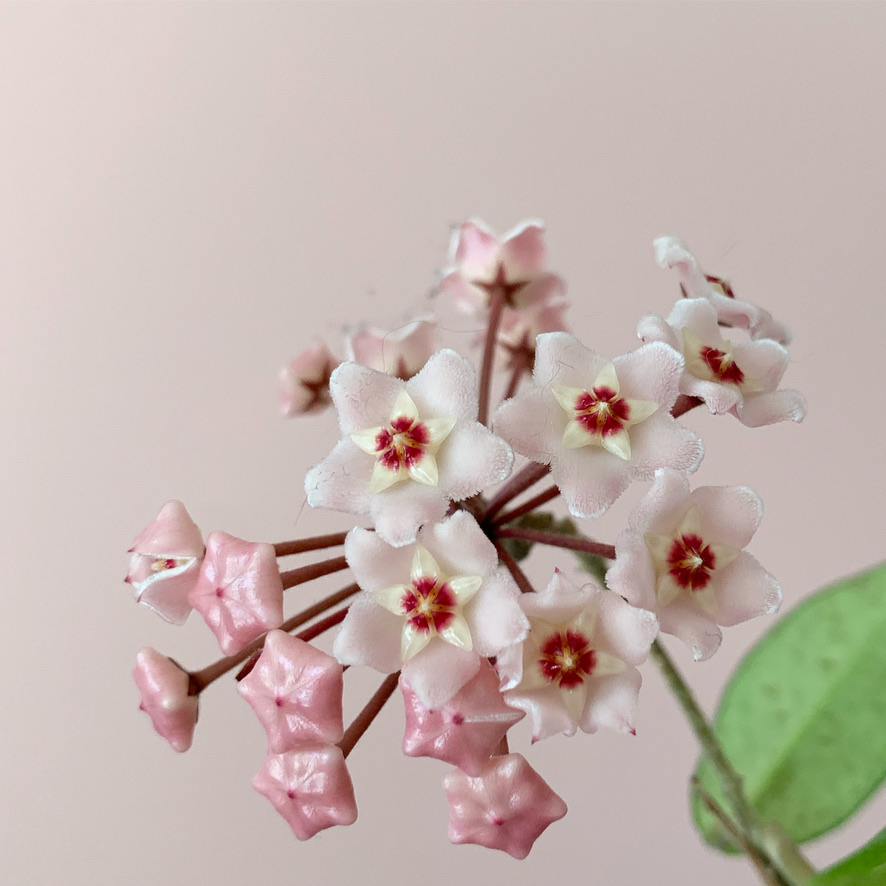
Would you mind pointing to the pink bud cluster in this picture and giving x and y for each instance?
(439, 602)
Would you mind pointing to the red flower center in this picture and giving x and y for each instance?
(691, 562)
(601, 411)
(429, 605)
(722, 365)
(567, 659)
(402, 443)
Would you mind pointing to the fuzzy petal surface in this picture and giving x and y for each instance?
(506, 807)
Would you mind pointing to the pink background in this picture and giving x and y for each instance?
(189, 193)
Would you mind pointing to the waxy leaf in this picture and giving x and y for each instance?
(803, 718)
(867, 867)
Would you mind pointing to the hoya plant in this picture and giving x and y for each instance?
(451, 472)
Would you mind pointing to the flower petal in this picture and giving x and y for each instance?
(745, 590)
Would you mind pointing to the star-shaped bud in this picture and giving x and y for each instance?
(682, 557)
(740, 378)
(401, 352)
(165, 561)
(405, 447)
(577, 666)
(304, 381)
(481, 262)
(507, 806)
(435, 608)
(310, 787)
(601, 416)
(295, 690)
(672, 253)
(599, 424)
(239, 592)
(164, 697)
(464, 731)
(408, 448)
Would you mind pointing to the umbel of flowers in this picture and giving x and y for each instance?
(441, 484)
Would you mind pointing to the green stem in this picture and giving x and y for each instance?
(767, 839)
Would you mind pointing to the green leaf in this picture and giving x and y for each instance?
(867, 867)
(803, 718)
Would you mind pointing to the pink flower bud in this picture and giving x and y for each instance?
(164, 697)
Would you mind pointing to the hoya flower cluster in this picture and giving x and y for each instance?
(437, 599)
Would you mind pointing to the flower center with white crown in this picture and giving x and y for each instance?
(406, 447)
(599, 415)
(431, 605)
(686, 563)
(716, 363)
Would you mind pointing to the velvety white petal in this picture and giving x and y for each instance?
(671, 252)
(370, 636)
(767, 409)
(398, 512)
(719, 398)
(652, 372)
(765, 361)
(532, 422)
(612, 701)
(633, 574)
(733, 311)
(590, 479)
(661, 442)
(460, 546)
(664, 505)
(625, 631)
(446, 386)
(692, 626)
(561, 359)
(509, 665)
(729, 515)
(363, 397)
(471, 459)
(699, 315)
(439, 671)
(341, 480)
(545, 709)
(655, 328)
(494, 615)
(523, 250)
(744, 589)
(375, 563)
(768, 327)
(560, 601)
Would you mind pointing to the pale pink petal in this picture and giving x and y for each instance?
(632, 576)
(624, 630)
(664, 504)
(767, 409)
(507, 807)
(611, 702)
(591, 479)
(546, 710)
(446, 386)
(530, 424)
(730, 514)
(539, 292)
(764, 361)
(341, 481)
(494, 616)
(466, 730)
(163, 592)
(239, 592)
(475, 249)
(363, 397)
(768, 327)
(400, 510)
(560, 601)
(375, 564)
(471, 460)
(652, 372)
(172, 533)
(439, 671)
(692, 626)
(744, 589)
(465, 296)
(295, 690)
(459, 546)
(662, 442)
(369, 635)
(523, 250)
(401, 352)
(304, 381)
(561, 359)
(654, 328)
(310, 787)
(163, 686)
(671, 252)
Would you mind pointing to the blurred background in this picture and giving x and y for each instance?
(190, 194)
